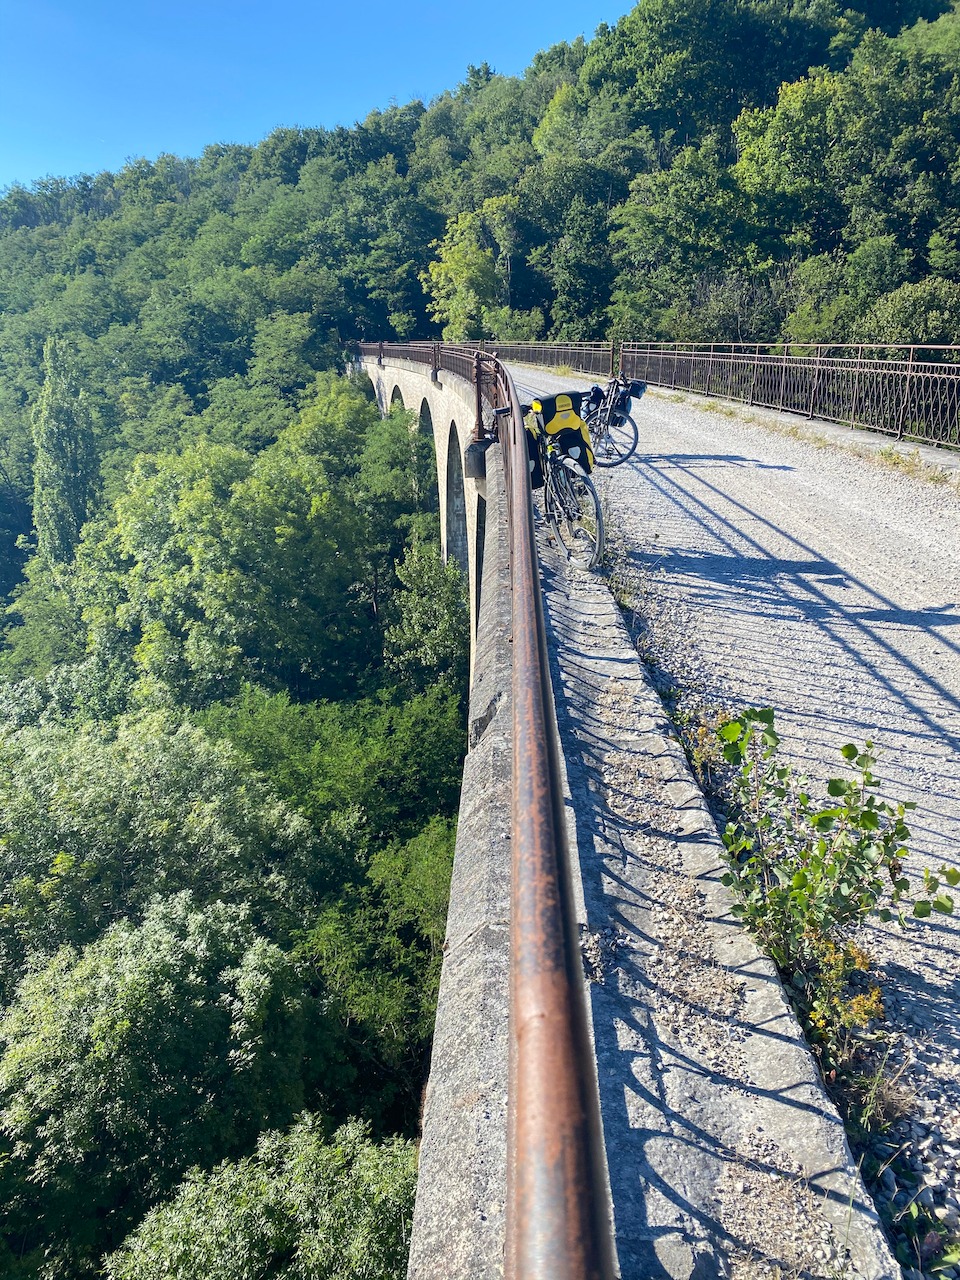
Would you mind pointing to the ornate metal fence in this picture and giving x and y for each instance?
(910, 393)
(598, 358)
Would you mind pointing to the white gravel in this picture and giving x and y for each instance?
(790, 573)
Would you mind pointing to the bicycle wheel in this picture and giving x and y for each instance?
(573, 509)
(614, 441)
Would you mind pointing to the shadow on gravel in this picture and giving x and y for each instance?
(671, 1144)
(700, 461)
(926, 1007)
(797, 589)
(688, 1133)
(741, 568)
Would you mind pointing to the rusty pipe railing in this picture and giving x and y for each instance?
(910, 393)
(558, 1225)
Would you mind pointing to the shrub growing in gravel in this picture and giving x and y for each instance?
(806, 872)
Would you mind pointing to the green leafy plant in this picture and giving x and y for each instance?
(303, 1204)
(806, 873)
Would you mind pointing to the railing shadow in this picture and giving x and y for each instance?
(767, 581)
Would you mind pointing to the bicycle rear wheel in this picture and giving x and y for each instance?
(573, 509)
(614, 441)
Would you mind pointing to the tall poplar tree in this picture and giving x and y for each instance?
(65, 470)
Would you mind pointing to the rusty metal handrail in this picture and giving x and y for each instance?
(910, 393)
(557, 1219)
(555, 1222)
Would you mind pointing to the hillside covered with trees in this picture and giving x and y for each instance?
(231, 729)
(232, 678)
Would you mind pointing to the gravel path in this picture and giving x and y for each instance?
(726, 1159)
(788, 572)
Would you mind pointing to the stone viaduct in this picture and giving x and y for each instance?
(712, 1135)
(460, 1213)
(445, 409)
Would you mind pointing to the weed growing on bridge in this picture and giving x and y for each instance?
(699, 730)
(912, 464)
(805, 874)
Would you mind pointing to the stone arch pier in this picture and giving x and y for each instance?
(446, 410)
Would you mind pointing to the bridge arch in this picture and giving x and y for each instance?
(455, 542)
(425, 418)
(479, 543)
(446, 410)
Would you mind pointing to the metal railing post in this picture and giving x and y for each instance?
(753, 372)
(816, 379)
(856, 386)
(478, 389)
(906, 395)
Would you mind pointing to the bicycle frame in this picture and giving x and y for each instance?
(575, 517)
(613, 431)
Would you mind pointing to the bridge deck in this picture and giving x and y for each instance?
(769, 570)
(724, 1159)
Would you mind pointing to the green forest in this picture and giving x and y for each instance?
(233, 666)
(231, 730)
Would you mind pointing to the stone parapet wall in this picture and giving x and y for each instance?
(458, 1228)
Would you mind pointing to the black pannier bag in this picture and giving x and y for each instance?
(533, 454)
(632, 391)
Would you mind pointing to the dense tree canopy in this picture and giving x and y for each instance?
(198, 297)
(231, 728)
(158, 1047)
(301, 1208)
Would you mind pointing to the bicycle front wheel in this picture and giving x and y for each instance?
(614, 441)
(573, 509)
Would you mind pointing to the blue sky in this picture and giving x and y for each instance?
(87, 84)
